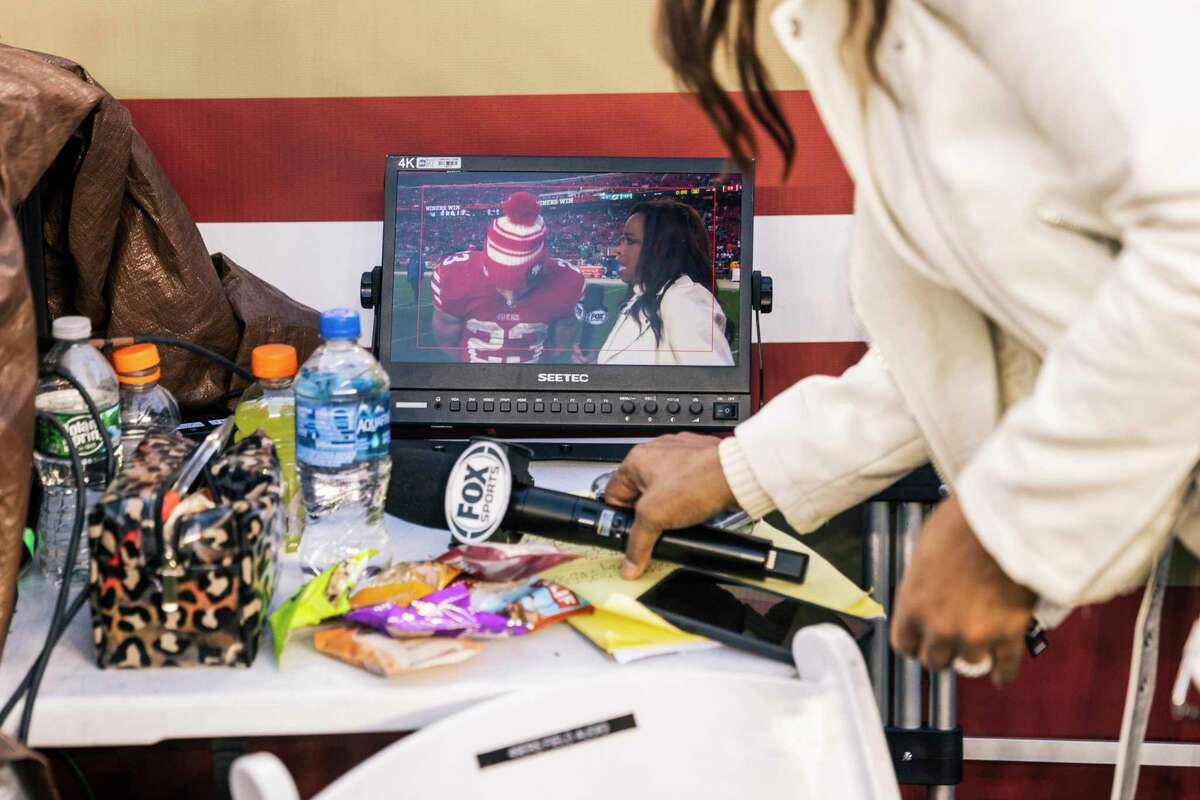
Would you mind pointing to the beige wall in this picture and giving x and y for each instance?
(358, 48)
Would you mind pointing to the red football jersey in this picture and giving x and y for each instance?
(495, 331)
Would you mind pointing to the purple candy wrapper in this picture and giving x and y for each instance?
(444, 613)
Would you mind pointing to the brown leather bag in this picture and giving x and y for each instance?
(29, 771)
(120, 248)
(41, 107)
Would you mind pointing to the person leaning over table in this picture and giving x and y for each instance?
(1026, 263)
(670, 316)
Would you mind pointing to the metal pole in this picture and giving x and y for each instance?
(877, 569)
(906, 703)
(943, 705)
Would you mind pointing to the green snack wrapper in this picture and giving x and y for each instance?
(324, 597)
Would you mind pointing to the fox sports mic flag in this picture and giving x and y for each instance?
(478, 492)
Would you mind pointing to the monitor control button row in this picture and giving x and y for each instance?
(722, 411)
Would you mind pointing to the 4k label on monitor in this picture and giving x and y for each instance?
(335, 434)
(554, 741)
(429, 162)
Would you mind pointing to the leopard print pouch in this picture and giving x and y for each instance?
(228, 554)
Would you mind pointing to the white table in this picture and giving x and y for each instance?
(82, 705)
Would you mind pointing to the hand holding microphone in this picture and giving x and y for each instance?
(482, 492)
(671, 482)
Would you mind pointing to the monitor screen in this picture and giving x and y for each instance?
(601, 268)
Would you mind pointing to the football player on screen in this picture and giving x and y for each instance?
(510, 303)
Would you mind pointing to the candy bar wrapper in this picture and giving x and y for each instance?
(402, 583)
(323, 597)
(545, 604)
(383, 655)
(532, 603)
(444, 613)
(505, 562)
(496, 597)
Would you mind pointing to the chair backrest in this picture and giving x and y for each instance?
(644, 732)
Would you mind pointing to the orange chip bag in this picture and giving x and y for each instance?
(404, 582)
(380, 654)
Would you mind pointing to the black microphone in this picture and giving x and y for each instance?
(592, 314)
(474, 496)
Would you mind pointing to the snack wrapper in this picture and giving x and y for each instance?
(505, 562)
(444, 613)
(402, 583)
(495, 597)
(546, 603)
(532, 603)
(477, 611)
(323, 597)
(388, 657)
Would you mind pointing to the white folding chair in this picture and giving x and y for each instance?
(637, 733)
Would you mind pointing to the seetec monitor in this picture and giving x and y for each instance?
(565, 294)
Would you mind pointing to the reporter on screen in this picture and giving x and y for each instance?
(670, 316)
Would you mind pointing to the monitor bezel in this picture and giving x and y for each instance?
(438, 375)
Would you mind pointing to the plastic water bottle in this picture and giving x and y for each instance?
(270, 405)
(342, 447)
(55, 396)
(146, 407)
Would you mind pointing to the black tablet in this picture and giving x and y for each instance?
(741, 615)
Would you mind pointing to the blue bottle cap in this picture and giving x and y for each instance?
(340, 323)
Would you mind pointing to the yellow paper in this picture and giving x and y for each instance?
(623, 627)
(598, 578)
(823, 584)
(627, 630)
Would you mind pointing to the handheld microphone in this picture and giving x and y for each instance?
(475, 496)
(591, 312)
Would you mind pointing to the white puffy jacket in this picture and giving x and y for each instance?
(1035, 183)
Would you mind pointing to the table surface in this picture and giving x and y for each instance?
(82, 705)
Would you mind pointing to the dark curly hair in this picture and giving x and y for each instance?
(675, 243)
(689, 33)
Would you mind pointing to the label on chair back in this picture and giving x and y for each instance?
(554, 741)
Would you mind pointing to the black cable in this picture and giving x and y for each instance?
(191, 347)
(64, 589)
(79, 776)
(762, 370)
(59, 623)
(19, 692)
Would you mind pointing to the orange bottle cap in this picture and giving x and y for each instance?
(273, 361)
(137, 363)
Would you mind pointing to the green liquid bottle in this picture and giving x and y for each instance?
(270, 406)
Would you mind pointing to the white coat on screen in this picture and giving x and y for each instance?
(693, 326)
